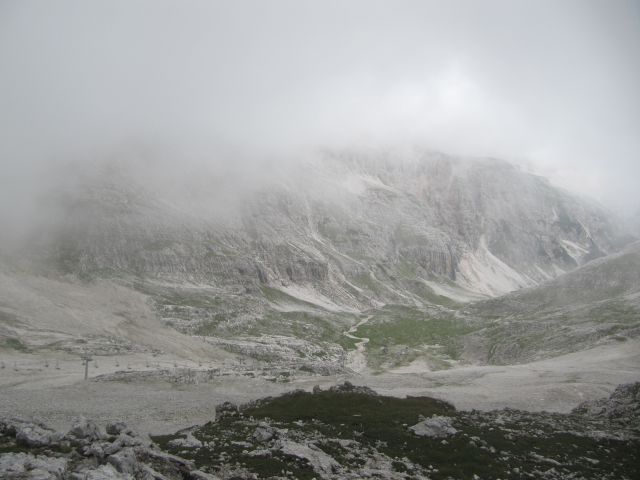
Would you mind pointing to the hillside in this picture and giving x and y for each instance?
(595, 304)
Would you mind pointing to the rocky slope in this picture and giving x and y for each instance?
(343, 432)
(30, 450)
(351, 432)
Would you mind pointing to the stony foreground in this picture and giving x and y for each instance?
(31, 450)
(343, 432)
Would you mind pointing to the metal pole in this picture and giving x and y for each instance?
(86, 358)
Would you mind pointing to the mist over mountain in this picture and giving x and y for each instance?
(357, 227)
(319, 239)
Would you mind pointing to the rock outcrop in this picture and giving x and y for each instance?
(86, 452)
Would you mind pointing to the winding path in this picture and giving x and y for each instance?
(356, 359)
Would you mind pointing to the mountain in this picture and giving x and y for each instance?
(595, 304)
(277, 263)
(355, 228)
(599, 302)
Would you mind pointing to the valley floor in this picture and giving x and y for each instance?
(148, 394)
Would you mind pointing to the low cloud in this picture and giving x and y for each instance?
(549, 84)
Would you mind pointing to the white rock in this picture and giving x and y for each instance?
(319, 461)
(436, 426)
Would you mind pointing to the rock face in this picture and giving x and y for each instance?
(350, 228)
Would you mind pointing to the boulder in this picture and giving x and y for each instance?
(116, 428)
(264, 433)
(84, 429)
(436, 426)
(189, 441)
(103, 472)
(124, 461)
(33, 435)
(322, 463)
(25, 465)
(125, 440)
(13, 464)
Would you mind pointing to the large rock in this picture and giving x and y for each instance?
(33, 435)
(84, 429)
(116, 428)
(103, 472)
(436, 426)
(322, 463)
(189, 441)
(28, 466)
(125, 440)
(264, 432)
(124, 461)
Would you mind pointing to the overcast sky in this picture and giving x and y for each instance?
(552, 84)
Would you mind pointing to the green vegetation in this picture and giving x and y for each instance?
(313, 327)
(16, 344)
(415, 333)
(492, 445)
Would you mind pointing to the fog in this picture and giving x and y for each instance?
(550, 85)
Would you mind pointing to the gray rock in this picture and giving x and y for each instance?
(322, 463)
(264, 433)
(189, 441)
(116, 428)
(84, 429)
(260, 453)
(124, 461)
(33, 435)
(125, 440)
(55, 467)
(436, 426)
(13, 463)
(96, 449)
(200, 475)
(25, 465)
(103, 472)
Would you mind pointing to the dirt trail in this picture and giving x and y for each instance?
(356, 359)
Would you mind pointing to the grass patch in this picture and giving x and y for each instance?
(15, 344)
(399, 326)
